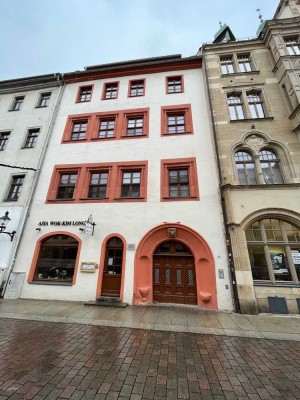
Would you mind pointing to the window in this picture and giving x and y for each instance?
(18, 101)
(110, 90)
(135, 126)
(274, 250)
(66, 186)
(137, 88)
(44, 100)
(269, 163)
(100, 182)
(246, 168)
(131, 181)
(98, 185)
(174, 84)
(106, 128)
(227, 64)
(177, 119)
(79, 130)
(292, 45)
(255, 104)
(15, 187)
(236, 63)
(244, 62)
(84, 94)
(235, 105)
(179, 180)
(57, 259)
(3, 139)
(31, 138)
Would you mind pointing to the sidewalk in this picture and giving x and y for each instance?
(174, 318)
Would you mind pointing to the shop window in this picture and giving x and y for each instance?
(15, 188)
(44, 100)
(292, 45)
(274, 250)
(174, 84)
(176, 120)
(137, 88)
(56, 260)
(31, 138)
(246, 168)
(110, 90)
(179, 180)
(4, 136)
(84, 94)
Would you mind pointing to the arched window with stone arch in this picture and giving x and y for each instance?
(245, 166)
(274, 250)
(269, 164)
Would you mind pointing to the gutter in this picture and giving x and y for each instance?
(223, 204)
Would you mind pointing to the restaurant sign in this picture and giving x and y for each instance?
(61, 223)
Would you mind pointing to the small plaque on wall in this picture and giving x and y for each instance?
(131, 246)
(88, 266)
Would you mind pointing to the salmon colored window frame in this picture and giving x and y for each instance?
(104, 90)
(114, 182)
(134, 81)
(136, 113)
(36, 254)
(174, 164)
(69, 127)
(167, 111)
(169, 78)
(78, 97)
(103, 117)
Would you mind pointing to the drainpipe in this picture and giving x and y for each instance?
(28, 204)
(223, 204)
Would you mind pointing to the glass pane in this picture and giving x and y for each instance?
(279, 263)
(253, 233)
(258, 262)
(241, 174)
(273, 231)
(293, 233)
(167, 276)
(295, 251)
(251, 174)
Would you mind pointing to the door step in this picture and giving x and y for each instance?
(106, 301)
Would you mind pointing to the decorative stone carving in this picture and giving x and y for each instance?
(295, 9)
(255, 142)
(172, 232)
(297, 63)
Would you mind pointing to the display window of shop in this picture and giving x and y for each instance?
(56, 259)
(274, 251)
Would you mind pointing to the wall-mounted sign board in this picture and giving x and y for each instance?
(88, 266)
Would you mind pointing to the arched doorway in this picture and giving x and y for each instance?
(174, 279)
(112, 271)
(204, 266)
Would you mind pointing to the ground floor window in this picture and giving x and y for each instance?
(57, 258)
(274, 250)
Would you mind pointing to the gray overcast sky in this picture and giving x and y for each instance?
(47, 36)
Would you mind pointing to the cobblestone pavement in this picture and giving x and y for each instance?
(47, 360)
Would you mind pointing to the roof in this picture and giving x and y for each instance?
(224, 34)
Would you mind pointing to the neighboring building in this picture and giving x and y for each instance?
(27, 111)
(254, 91)
(131, 151)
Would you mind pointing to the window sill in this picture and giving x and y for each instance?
(129, 198)
(74, 141)
(250, 119)
(104, 138)
(261, 186)
(191, 198)
(111, 98)
(177, 134)
(136, 95)
(133, 137)
(59, 200)
(93, 198)
(41, 107)
(13, 110)
(11, 200)
(254, 72)
(24, 148)
(175, 92)
(82, 101)
(276, 284)
(52, 283)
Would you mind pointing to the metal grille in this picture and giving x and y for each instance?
(168, 276)
(190, 277)
(156, 275)
(178, 276)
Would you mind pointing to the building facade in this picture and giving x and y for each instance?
(254, 92)
(27, 111)
(128, 203)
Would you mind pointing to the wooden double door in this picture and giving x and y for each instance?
(174, 279)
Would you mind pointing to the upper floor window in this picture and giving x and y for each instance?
(233, 63)
(137, 88)
(98, 185)
(3, 139)
(44, 100)
(246, 168)
(179, 183)
(15, 188)
(110, 90)
(18, 101)
(176, 119)
(106, 128)
(131, 181)
(84, 94)
(235, 105)
(174, 84)
(255, 104)
(31, 138)
(269, 163)
(274, 250)
(176, 123)
(79, 130)
(292, 45)
(135, 126)
(66, 186)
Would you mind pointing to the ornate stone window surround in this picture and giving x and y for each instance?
(236, 61)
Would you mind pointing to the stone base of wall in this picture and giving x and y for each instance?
(290, 294)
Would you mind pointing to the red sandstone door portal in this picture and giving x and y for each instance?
(174, 274)
(112, 272)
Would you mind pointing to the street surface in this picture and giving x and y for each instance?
(50, 360)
